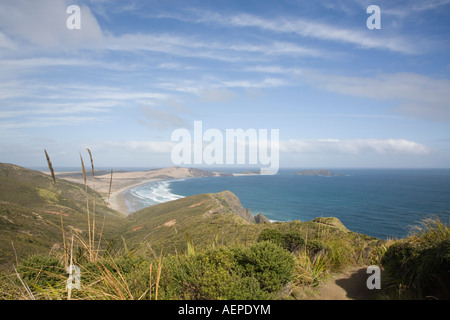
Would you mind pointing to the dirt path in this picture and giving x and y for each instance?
(348, 285)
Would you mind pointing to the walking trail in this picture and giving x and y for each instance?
(347, 285)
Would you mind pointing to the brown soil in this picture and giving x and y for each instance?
(348, 285)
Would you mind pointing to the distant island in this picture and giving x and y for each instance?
(322, 173)
(248, 173)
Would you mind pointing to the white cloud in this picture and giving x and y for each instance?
(43, 23)
(311, 29)
(416, 95)
(292, 148)
(45, 122)
(306, 147)
(265, 83)
(27, 104)
(354, 147)
(162, 147)
(206, 48)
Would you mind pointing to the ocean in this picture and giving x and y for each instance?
(383, 203)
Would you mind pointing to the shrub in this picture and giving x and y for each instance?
(210, 275)
(42, 271)
(291, 241)
(271, 265)
(420, 264)
(339, 254)
(135, 271)
(272, 235)
(254, 272)
(315, 246)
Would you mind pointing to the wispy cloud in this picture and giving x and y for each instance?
(162, 118)
(312, 29)
(27, 104)
(415, 95)
(49, 121)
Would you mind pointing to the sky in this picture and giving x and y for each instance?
(340, 94)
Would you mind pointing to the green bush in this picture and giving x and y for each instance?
(272, 235)
(291, 241)
(41, 271)
(255, 272)
(420, 264)
(135, 271)
(210, 275)
(424, 271)
(315, 246)
(271, 265)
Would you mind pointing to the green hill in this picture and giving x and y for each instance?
(31, 207)
(205, 218)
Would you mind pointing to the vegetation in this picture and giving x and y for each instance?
(35, 212)
(418, 267)
(199, 247)
(255, 272)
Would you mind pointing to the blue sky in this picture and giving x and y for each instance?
(340, 94)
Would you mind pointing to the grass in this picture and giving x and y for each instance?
(418, 266)
(217, 272)
(34, 211)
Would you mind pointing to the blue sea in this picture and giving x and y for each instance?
(378, 202)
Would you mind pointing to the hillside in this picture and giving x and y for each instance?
(31, 207)
(204, 217)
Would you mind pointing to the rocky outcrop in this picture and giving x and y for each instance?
(260, 218)
(231, 201)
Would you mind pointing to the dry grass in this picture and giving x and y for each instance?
(50, 166)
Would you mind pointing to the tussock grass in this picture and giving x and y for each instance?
(418, 267)
(50, 166)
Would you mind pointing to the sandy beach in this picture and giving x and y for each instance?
(122, 181)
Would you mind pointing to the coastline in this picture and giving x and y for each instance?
(123, 181)
(117, 200)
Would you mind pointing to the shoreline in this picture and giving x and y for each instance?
(123, 181)
(117, 201)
